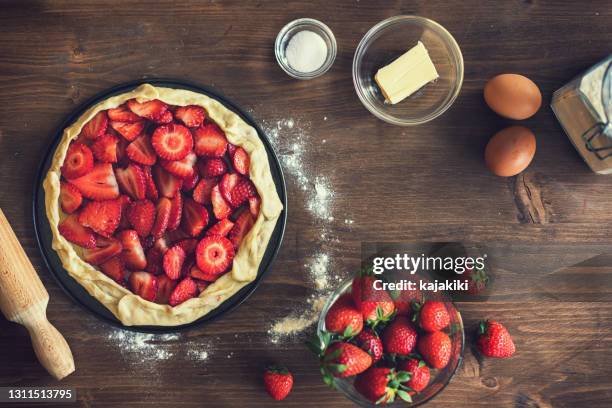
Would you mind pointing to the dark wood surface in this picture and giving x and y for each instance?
(396, 184)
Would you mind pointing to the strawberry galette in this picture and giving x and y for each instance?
(161, 203)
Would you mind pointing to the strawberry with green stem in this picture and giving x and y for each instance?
(381, 385)
(278, 382)
(376, 306)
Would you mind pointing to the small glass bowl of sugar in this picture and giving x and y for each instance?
(305, 48)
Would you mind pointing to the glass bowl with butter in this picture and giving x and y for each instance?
(407, 70)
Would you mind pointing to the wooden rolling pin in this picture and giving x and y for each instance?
(24, 299)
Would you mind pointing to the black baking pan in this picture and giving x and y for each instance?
(74, 289)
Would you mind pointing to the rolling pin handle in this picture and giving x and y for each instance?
(51, 348)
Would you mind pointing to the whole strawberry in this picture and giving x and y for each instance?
(343, 317)
(399, 336)
(278, 382)
(369, 341)
(344, 360)
(375, 305)
(435, 348)
(403, 300)
(419, 373)
(494, 340)
(477, 280)
(433, 316)
(380, 385)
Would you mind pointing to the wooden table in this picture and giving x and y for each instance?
(395, 184)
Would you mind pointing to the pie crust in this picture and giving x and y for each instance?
(128, 307)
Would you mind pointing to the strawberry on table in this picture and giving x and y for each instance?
(144, 285)
(278, 382)
(241, 161)
(214, 254)
(399, 337)
(132, 181)
(173, 262)
(78, 162)
(129, 130)
(101, 216)
(96, 127)
(181, 168)
(141, 151)
(195, 218)
(433, 316)
(165, 287)
(343, 318)
(176, 212)
(212, 167)
(99, 184)
(435, 348)
(221, 229)
(70, 197)
(209, 141)
(419, 373)
(172, 141)
(114, 268)
(191, 115)
(104, 148)
(242, 226)
(381, 385)
(149, 110)
(73, 231)
(185, 290)
(123, 114)
(163, 209)
(104, 249)
(494, 340)
(167, 184)
(369, 342)
(133, 254)
(141, 215)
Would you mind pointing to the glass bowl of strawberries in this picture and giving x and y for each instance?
(381, 347)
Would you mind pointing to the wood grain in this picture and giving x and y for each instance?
(397, 184)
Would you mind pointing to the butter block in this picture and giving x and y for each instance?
(407, 74)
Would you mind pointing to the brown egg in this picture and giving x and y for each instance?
(513, 96)
(510, 151)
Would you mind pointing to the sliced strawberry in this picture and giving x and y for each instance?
(124, 202)
(214, 254)
(70, 197)
(221, 208)
(104, 148)
(241, 227)
(195, 218)
(172, 142)
(161, 244)
(209, 141)
(164, 206)
(212, 167)
(173, 262)
(78, 162)
(141, 215)
(141, 151)
(167, 184)
(149, 109)
(231, 149)
(191, 115)
(132, 181)
(152, 193)
(181, 168)
(176, 212)
(99, 183)
(201, 286)
(73, 231)
(244, 190)
(104, 250)
(154, 261)
(189, 183)
(123, 114)
(96, 127)
(133, 255)
(221, 229)
(202, 192)
(227, 184)
(188, 245)
(241, 161)
(114, 268)
(129, 131)
(101, 216)
(165, 118)
(185, 290)
(254, 205)
(122, 145)
(165, 287)
(196, 273)
(144, 285)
